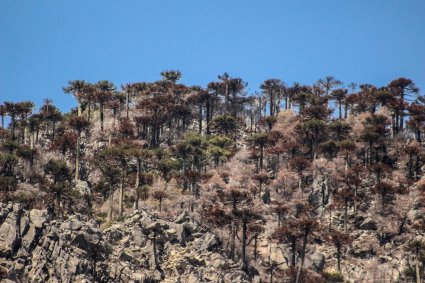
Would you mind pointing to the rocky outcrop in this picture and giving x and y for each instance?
(142, 248)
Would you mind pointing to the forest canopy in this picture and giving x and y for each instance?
(304, 170)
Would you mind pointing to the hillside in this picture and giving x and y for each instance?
(163, 182)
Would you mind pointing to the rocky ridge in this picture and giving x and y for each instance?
(142, 248)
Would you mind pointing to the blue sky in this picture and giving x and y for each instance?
(45, 43)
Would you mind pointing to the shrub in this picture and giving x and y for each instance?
(332, 276)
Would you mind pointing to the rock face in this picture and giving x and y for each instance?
(142, 248)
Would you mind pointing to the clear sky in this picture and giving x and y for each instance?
(45, 43)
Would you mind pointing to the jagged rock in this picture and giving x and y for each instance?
(414, 216)
(10, 231)
(82, 187)
(73, 224)
(86, 241)
(73, 250)
(183, 217)
(4, 211)
(184, 232)
(364, 246)
(172, 235)
(181, 267)
(17, 209)
(318, 261)
(38, 217)
(155, 226)
(209, 242)
(319, 191)
(194, 260)
(384, 259)
(368, 224)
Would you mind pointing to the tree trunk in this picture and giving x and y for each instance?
(121, 197)
(136, 201)
(194, 188)
(271, 104)
(397, 122)
(158, 134)
(13, 126)
(155, 257)
(78, 107)
(136, 185)
(255, 247)
(279, 101)
(227, 96)
(58, 199)
(111, 202)
(300, 180)
(305, 237)
(302, 257)
(330, 219)
(200, 119)
(393, 127)
(208, 116)
(53, 130)
(338, 256)
(261, 157)
(345, 216)
(355, 201)
(410, 166)
(244, 235)
(383, 203)
(32, 145)
(251, 122)
(293, 251)
(340, 109)
(417, 167)
(101, 116)
(233, 240)
(89, 112)
(127, 104)
(77, 158)
(401, 127)
(24, 134)
(418, 273)
(260, 107)
(345, 110)
(346, 168)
